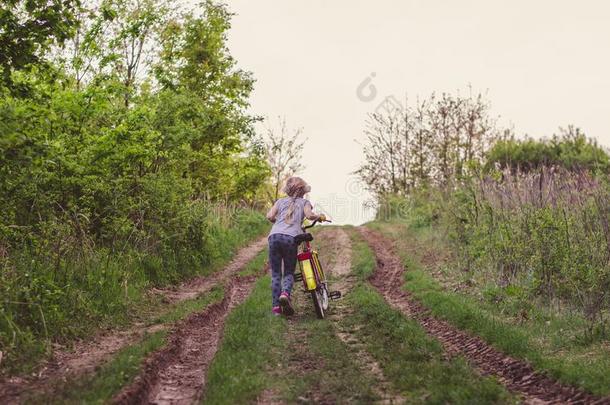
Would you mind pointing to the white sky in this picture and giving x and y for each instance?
(544, 64)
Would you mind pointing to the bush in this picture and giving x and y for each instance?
(113, 180)
(419, 209)
(571, 150)
(546, 232)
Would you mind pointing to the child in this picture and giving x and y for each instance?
(287, 214)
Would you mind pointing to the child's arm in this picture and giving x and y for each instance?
(272, 214)
(310, 215)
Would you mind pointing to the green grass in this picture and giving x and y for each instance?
(410, 359)
(303, 359)
(363, 260)
(320, 367)
(102, 289)
(256, 264)
(547, 342)
(252, 337)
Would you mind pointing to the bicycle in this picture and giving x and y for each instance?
(312, 275)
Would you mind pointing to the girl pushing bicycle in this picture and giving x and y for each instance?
(287, 215)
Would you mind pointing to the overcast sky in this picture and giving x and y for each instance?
(544, 64)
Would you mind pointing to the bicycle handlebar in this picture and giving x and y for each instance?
(313, 223)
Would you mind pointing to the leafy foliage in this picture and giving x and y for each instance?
(571, 150)
(536, 237)
(27, 29)
(133, 164)
(544, 233)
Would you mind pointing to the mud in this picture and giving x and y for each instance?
(87, 355)
(517, 375)
(269, 397)
(176, 374)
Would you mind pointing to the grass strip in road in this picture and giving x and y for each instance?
(112, 376)
(565, 361)
(410, 359)
(320, 367)
(252, 338)
(261, 352)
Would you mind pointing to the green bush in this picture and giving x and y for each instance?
(112, 180)
(419, 209)
(45, 301)
(571, 150)
(539, 235)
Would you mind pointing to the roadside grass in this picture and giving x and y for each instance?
(550, 341)
(252, 339)
(103, 289)
(255, 265)
(112, 376)
(411, 360)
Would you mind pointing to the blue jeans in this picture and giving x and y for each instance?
(282, 248)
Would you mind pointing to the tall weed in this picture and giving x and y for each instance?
(66, 291)
(545, 232)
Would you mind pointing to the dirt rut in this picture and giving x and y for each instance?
(87, 355)
(176, 374)
(517, 375)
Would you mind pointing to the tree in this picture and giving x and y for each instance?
(388, 161)
(421, 148)
(429, 144)
(27, 30)
(284, 150)
(127, 163)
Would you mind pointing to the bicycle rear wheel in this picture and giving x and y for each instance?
(324, 296)
(316, 297)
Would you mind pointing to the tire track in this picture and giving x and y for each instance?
(517, 375)
(176, 373)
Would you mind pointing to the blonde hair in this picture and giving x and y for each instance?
(295, 187)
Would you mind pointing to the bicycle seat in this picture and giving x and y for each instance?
(304, 237)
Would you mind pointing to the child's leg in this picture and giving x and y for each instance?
(290, 262)
(275, 261)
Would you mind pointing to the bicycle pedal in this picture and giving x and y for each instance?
(298, 277)
(334, 295)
